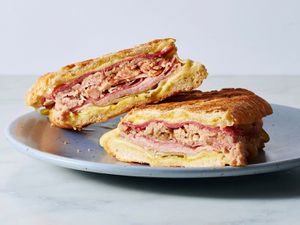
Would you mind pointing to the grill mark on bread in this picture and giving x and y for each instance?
(240, 106)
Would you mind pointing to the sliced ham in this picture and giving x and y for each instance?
(170, 146)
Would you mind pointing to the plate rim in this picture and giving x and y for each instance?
(143, 170)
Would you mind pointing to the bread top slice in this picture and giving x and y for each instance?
(227, 107)
(46, 83)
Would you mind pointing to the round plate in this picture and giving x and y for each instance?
(33, 135)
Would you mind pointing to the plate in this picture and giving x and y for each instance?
(32, 134)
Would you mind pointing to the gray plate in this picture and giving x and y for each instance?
(33, 135)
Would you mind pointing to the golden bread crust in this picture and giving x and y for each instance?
(46, 83)
(227, 107)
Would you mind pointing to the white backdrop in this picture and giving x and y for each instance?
(230, 37)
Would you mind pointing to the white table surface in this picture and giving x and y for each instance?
(34, 192)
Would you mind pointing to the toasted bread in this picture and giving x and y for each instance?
(226, 107)
(188, 77)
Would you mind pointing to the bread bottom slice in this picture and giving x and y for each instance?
(126, 151)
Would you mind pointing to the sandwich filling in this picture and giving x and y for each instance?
(190, 137)
(105, 86)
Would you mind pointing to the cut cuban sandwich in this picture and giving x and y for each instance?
(192, 129)
(96, 90)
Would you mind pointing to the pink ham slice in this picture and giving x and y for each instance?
(165, 146)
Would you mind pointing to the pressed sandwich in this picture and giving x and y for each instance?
(96, 90)
(192, 129)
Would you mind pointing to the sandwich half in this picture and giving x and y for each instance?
(192, 129)
(98, 89)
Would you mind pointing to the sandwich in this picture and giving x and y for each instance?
(98, 89)
(192, 129)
